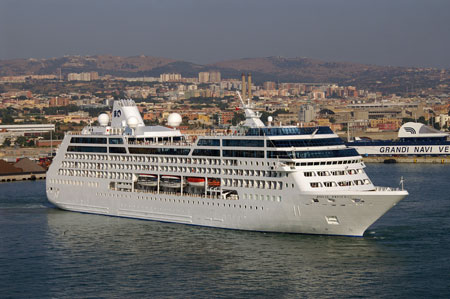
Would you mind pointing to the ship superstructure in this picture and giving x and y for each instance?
(255, 177)
(414, 139)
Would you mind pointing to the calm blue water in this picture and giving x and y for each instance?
(48, 253)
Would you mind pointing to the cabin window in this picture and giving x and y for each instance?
(329, 184)
(315, 184)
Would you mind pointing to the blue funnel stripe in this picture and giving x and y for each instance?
(410, 130)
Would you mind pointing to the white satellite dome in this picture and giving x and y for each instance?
(132, 122)
(174, 120)
(103, 119)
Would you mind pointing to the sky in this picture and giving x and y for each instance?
(381, 32)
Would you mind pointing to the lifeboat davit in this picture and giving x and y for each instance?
(196, 182)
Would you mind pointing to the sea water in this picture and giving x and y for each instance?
(49, 253)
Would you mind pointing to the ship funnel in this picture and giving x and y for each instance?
(122, 111)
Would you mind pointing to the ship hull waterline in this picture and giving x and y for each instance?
(304, 216)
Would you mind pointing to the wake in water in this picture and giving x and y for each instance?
(4, 206)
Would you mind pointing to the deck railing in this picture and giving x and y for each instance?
(378, 188)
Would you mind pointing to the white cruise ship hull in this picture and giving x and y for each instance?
(330, 215)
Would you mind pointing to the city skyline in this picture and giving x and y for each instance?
(399, 33)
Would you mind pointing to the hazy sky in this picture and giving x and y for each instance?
(384, 32)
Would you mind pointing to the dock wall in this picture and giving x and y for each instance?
(22, 177)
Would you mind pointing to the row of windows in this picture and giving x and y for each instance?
(272, 143)
(117, 150)
(87, 149)
(73, 182)
(243, 142)
(85, 165)
(187, 201)
(243, 154)
(327, 163)
(288, 131)
(146, 159)
(304, 142)
(91, 157)
(148, 140)
(96, 174)
(334, 172)
(216, 153)
(115, 141)
(97, 140)
(96, 149)
(206, 152)
(349, 152)
(340, 184)
(275, 185)
(262, 197)
(208, 142)
(159, 151)
(205, 161)
(169, 168)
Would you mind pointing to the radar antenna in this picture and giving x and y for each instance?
(252, 117)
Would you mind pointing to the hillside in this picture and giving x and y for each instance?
(283, 69)
(279, 69)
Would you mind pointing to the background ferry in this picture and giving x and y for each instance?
(414, 139)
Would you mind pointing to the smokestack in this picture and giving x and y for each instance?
(249, 75)
(243, 86)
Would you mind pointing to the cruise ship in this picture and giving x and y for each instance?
(253, 177)
(414, 139)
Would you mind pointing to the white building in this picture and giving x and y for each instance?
(307, 113)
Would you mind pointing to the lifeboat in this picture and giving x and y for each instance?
(214, 182)
(148, 180)
(196, 181)
(170, 181)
